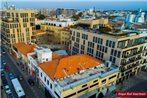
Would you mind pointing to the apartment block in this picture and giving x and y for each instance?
(74, 76)
(17, 26)
(40, 37)
(20, 51)
(57, 35)
(92, 23)
(61, 22)
(126, 49)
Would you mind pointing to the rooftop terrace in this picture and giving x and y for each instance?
(86, 75)
(119, 34)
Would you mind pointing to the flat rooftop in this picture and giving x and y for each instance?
(85, 75)
(120, 34)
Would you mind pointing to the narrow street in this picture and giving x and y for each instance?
(31, 91)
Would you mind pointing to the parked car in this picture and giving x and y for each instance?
(31, 82)
(7, 89)
(2, 74)
(4, 62)
(1, 68)
(20, 77)
(11, 76)
(10, 95)
(5, 82)
(3, 51)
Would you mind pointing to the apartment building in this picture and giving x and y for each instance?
(74, 76)
(41, 55)
(61, 22)
(92, 23)
(126, 49)
(40, 37)
(57, 35)
(17, 26)
(19, 52)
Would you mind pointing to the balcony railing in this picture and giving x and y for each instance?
(131, 61)
(135, 44)
(131, 55)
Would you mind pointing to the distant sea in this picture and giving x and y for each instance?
(130, 5)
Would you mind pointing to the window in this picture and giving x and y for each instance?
(47, 82)
(70, 95)
(78, 34)
(41, 74)
(114, 60)
(95, 81)
(93, 85)
(113, 44)
(104, 81)
(82, 90)
(82, 47)
(51, 86)
(100, 48)
(101, 41)
(103, 49)
(45, 79)
(115, 52)
(84, 36)
(77, 40)
(97, 53)
(110, 43)
(112, 77)
(73, 38)
(97, 47)
(106, 49)
(110, 58)
(102, 55)
(112, 51)
(83, 42)
(118, 55)
(84, 85)
(94, 39)
(107, 43)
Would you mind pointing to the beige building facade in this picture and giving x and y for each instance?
(57, 35)
(93, 23)
(128, 51)
(17, 26)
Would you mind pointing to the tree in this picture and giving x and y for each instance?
(104, 29)
(77, 16)
(40, 16)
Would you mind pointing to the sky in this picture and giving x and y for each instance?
(81, 4)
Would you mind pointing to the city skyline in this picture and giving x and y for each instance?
(103, 5)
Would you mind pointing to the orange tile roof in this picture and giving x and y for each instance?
(57, 69)
(50, 18)
(39, 32)
(25, 48)
(55, 56)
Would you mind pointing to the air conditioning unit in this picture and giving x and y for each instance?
(108, 63)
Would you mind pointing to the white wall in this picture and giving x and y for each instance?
(51, 82)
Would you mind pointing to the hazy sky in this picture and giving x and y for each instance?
(80, 4)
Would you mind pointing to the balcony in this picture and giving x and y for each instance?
(135, 44)
(123, 69)
(131, 61)
(9, 20)
(131, 55)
